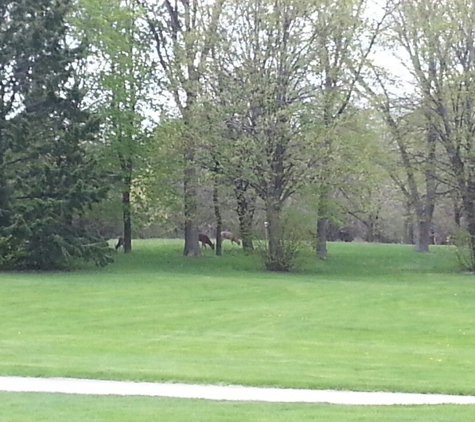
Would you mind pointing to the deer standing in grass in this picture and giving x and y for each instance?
(205, 240)
(231, 237)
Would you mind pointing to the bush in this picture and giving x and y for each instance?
(465, 249)
(289, 247)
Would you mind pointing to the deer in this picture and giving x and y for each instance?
(231, 237)
(205, 240)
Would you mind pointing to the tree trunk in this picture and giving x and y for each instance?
(245, 211)
(370, 223)
(408, 229)
(422, 227)
(471, 232)
(219, 221)
(127, 221)
(126, 165)
(245, 230)
(4, 197)
(422, 234)
(322, 234)
(322, 225)
(425, 207)
(276, 256)
(469, 208)
(192, 246)
(457, 214)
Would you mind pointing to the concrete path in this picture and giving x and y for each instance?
(216, 392)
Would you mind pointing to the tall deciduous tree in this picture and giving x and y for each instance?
(224, 153)
(416, 144)
(264, 68)
(183, 34)
(290, 68)
(440, 42)
(345, 37)
(48, 178)
(119, 76)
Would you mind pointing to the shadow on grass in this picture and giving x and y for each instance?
(345, 260)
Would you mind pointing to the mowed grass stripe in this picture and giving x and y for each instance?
(30, 407)
(371, 317)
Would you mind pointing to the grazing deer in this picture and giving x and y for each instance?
(205, 240)
(230, 236)
(120, 242)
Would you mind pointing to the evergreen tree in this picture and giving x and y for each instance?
(47, 174)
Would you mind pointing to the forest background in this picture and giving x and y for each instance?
(283, 121)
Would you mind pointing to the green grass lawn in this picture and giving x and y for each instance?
(371, 317)
(61, 408)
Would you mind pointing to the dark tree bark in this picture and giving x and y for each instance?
(127, 222)
(469, 208)
(425, 206)
(370, 229)
(192, 246)
(423, 228)
(219, 220)
(4, 196)
(322, 223)
(322, 235)
(245, 211)
(408, 228)
(458, 211)
(275, 236)
(126, 165)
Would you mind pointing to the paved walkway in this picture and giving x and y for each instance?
(216, 392)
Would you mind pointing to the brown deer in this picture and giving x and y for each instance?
(205, 240)
(231, 237)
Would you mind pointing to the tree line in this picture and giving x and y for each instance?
(282, 110)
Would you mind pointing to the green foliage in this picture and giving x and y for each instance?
(49, 178)
(465, 249)
(159, 178)
(295, 236)
(285, 260)
(121, 80)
